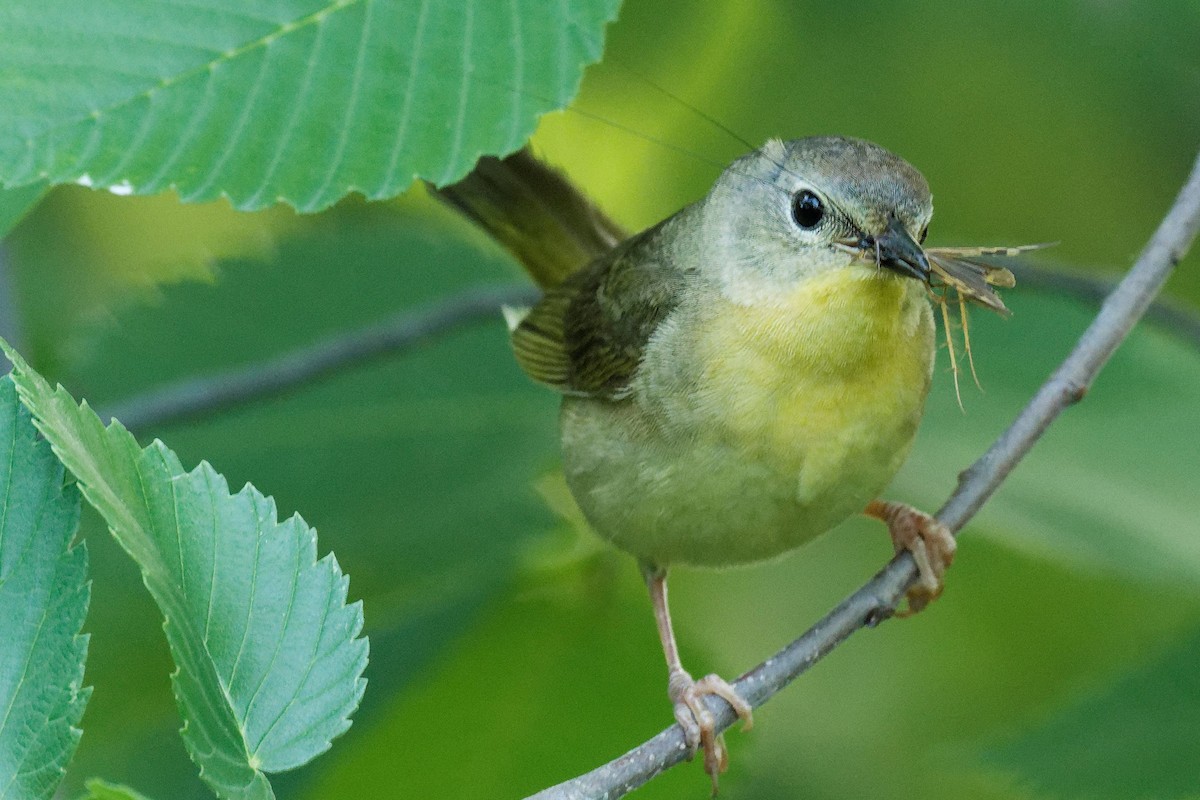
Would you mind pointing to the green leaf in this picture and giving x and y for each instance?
(102, 790)
(396, 465)
(43, 601)
(299, 100)
(1134, 738)
(268, 658)
(15, 203)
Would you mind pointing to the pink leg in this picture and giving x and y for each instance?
(687, 695)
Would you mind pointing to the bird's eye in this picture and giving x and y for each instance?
(924, 233)
(807, 210)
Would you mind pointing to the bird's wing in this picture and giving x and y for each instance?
(586, 335)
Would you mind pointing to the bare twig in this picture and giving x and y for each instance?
(876, 600)
(208, 393)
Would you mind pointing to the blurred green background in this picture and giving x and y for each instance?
(509, 649)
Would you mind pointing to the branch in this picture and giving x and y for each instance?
(208, 393)
(877, 600)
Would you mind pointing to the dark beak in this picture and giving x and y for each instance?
(899, 252)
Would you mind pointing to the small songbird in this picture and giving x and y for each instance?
(739, 378)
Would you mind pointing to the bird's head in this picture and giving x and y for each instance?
(791, 210)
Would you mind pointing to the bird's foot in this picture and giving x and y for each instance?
(930, 542)
(699, 725)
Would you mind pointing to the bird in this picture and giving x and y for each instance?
(741, 377)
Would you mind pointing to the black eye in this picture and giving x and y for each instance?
(807, 210)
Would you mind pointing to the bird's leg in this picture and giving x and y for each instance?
(687, 695)
(931, 543)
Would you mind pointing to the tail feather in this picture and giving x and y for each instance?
(535, 212)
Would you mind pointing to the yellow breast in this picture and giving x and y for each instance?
(754, 428)
(833, 373)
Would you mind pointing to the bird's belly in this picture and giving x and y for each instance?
(764, 451)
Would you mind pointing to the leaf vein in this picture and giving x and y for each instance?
(300, 684)
(464, 91)
(299, 106)
(352, 101)
(237, 662)
(283, 633)
(518, 78)
(234, 137)
(281, 30)
(414, 69)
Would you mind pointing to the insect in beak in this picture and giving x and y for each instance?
(964, 270)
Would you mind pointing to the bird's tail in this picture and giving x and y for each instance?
(535, 212)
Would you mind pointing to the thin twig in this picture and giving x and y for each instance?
(876, 600)
(208, 393)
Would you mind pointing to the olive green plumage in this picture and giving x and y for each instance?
(735, 382)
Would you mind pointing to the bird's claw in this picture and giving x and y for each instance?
(699, 725)
(931, 543)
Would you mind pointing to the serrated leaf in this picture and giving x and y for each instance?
(395, 464)
(43, 601)
(1134, 738)
(299, 100)
(102, 790)
(268, 661)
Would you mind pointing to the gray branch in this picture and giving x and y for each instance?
(877, 600)
(208, 393)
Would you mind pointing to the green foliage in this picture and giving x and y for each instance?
(418, 471)
(401, 455)
(300, 100)
(419, 468)
(268, 658)
(15, 203)
(429, 428)
(102, 790)
(558, 713)
(43, 600)
(1134, 738)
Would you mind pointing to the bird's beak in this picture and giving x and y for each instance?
(899, 252)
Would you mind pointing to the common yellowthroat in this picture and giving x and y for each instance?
(742, 376)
